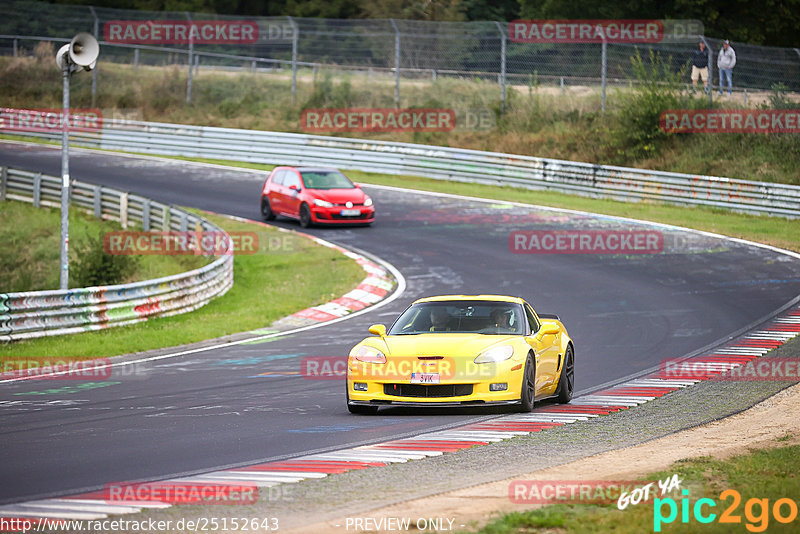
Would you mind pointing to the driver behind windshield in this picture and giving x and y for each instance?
(440, 319)
(501, 318)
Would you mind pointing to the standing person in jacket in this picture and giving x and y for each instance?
(726, 60)
(700, 66)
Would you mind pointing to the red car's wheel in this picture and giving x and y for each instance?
(305, 216)
(266, 210)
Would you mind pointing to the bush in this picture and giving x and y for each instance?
(94, 267)
(658, 88)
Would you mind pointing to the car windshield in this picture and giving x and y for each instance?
(326, 180)
(462, 317)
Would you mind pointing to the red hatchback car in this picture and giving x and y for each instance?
(315, 195)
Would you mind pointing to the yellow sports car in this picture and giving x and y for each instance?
(462, 350)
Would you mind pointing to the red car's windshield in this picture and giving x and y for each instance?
(326, 180)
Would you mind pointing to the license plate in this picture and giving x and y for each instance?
(424, 378)
(350, 213)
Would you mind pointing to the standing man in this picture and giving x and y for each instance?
(700, 66)
(726, 60)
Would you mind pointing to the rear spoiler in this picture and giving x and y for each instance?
(548, 316)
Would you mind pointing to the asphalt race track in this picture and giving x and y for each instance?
(247, 404)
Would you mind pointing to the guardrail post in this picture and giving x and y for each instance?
(3, 182)
(316, 69)
(191, 59)
(94, 70)
(16, 48)
(396, 63)
(184, 222)
(37, 189)
(561, 84)
(97, 201)
(135, 59)
(123, 210)
(197, 65)
(502, 66)
(146, 215)
(295, 37)
(165, 216)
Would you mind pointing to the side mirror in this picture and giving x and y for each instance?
(549, 329)
(294, 187)
(378, 330)
(357, 185)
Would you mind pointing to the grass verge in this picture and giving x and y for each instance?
(764, 475)
(31, 262)
(283, 277)
(536, 120)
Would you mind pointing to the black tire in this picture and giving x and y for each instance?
(358, 409)
(566, 382)
(266, 210)
(528, 392)
(305, 216)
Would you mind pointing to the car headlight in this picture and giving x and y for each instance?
(322, 203)
(495, 354)
(368, 202)
(369, 355)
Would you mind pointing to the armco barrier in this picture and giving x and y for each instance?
(44, 313)
(444, 163)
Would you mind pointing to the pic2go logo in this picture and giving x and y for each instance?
(756, 511)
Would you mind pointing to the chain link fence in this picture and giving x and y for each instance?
(395, 50)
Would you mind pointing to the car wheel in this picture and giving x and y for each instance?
(266, 210)
(566, 383)
(359, 409)
(305, 216)
(528, 385)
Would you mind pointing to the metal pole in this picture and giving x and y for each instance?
(16, 48)
(396, 63)
(605, 67)
(94, 70)
(502, 66)
(710, 72)
(64, 276)
(191, 59)
(135, 59)
(295, 36)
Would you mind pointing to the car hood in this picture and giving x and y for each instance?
(339, 196)
(442, 344)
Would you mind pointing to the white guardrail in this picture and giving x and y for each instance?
(444, 163)
(44, 313)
